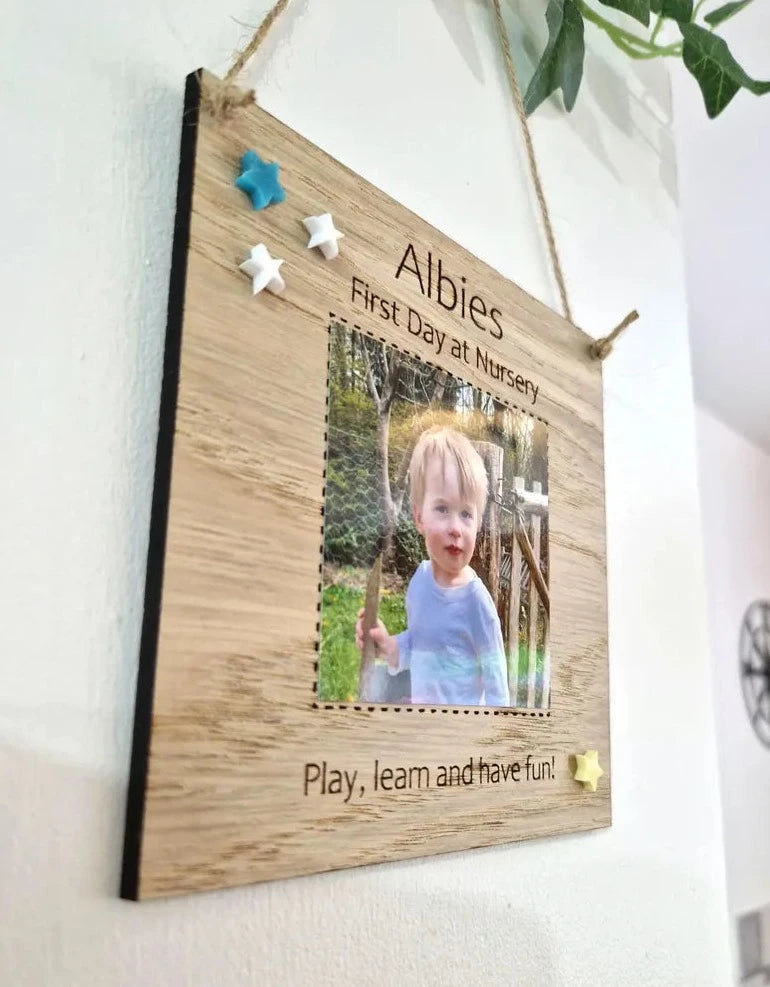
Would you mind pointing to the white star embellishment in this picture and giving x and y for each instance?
(264, 270)
(323, 234)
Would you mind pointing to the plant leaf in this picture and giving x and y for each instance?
(679, 10)
(638, 9)
(719, 76)
(561, 64)
(724, 13)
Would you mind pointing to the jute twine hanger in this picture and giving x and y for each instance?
(222, 98)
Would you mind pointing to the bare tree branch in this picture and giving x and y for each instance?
(439, 386)
(370, 377)
(390, 383)
(398, 490)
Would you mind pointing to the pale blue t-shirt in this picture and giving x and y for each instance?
(453, 646)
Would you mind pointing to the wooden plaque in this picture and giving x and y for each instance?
(254, 757)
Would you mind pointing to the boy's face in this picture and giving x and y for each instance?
(447, 521)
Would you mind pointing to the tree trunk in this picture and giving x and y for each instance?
(386, 499)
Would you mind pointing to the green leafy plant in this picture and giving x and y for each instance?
(705, 54)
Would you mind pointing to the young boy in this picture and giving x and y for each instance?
(453, 645)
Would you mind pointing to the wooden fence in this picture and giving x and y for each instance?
(511, 557)
(529, 601)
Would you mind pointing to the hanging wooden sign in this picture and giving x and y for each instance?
(375, 617)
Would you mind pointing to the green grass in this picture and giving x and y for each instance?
(340, 660)
(522, 671)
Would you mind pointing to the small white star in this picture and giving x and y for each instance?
(323, 234)
(264, 270)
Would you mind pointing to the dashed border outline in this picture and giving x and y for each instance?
(428, 363)
(365, 707)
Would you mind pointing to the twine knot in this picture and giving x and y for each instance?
(224, 98)
(221, 99)
(601, 348)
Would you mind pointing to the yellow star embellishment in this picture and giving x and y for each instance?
(588, 771)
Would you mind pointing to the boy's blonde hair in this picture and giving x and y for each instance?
(443, 443)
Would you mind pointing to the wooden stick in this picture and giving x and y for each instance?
(369, 651)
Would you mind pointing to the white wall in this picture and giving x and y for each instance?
(725, 202)
(735, 494)
(409, 93)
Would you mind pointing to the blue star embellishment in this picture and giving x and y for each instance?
(259, 180)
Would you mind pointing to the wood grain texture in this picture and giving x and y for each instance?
(234, 715)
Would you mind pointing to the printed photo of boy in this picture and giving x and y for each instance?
(434, 582)
(453, 644)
